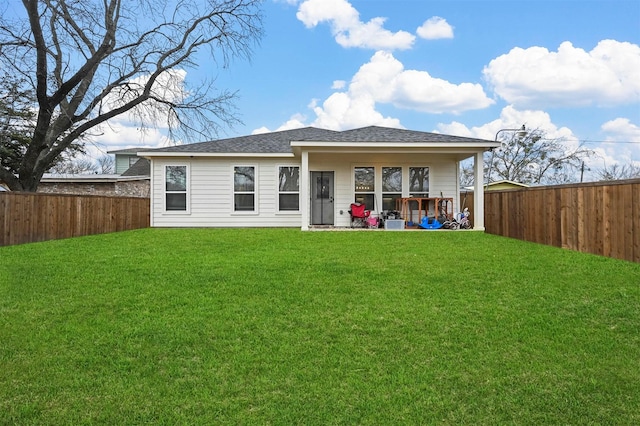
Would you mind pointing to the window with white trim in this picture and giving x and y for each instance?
(365, 187)
(244, 188)
(419, 182)
(176, 188)
(288, 188)
(391, 187)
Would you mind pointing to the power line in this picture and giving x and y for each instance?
(624, 142)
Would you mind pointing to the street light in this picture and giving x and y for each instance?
(521, 133)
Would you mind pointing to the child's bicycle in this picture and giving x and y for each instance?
(460, 221)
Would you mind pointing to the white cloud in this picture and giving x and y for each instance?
(386, 80)
(170, 86)
(341, 111)
(627, 150)
(261, 130)
(339, 84)
(120, 134)
(605, 76)
(512, 118)
(348, 29)
(383, 80)
(435, 28)
(622, 129)
(295, 122)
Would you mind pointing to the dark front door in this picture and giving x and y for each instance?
(322, 198)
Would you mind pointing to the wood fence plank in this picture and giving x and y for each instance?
(596, 217)
(621, 224)
(29, 217)
(4, 229)
(635, 217)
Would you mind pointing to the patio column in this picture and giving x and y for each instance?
(304, 191)
(478, 191)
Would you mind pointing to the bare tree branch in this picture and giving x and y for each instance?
(92, 60)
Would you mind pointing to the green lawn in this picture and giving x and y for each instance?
(272, 326)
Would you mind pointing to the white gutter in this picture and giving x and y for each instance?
(396, 145)
(148, 154)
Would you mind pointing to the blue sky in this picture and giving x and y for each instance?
(470, 68)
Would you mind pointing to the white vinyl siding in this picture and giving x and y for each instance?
(211, 188)
(211, 196)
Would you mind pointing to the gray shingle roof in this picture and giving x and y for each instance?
(274, 142)
(128, 150)
(387, 134)
(280, 142)
(142, 167)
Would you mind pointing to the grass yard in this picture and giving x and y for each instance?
(278, 326)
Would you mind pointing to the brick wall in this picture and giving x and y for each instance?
(133, 188)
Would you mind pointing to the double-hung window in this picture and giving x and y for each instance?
(419, 182)
(391, 187)
(365, 178)
(289, 188)
(244, 188)
(176, 188)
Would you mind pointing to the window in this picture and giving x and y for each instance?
(289, 188)
(419, 182)
(176, 188)
(244, 188)
(365, 186)
(391, 187)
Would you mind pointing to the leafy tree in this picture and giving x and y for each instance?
(16, 122)
(533, 159)
(89, 61)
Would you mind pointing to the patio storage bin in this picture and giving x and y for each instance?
(394, 224)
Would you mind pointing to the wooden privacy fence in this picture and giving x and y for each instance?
(31, 217)
(601, 217)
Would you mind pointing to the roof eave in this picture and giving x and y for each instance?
(396, 145)
(149, 154)
(394, 148)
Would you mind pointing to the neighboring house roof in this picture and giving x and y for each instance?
(500, 184)
(508, 183)
(131, 151)
(142, 167)
(286, 142)
(88, 178)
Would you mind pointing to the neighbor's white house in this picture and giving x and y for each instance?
(306, 177)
